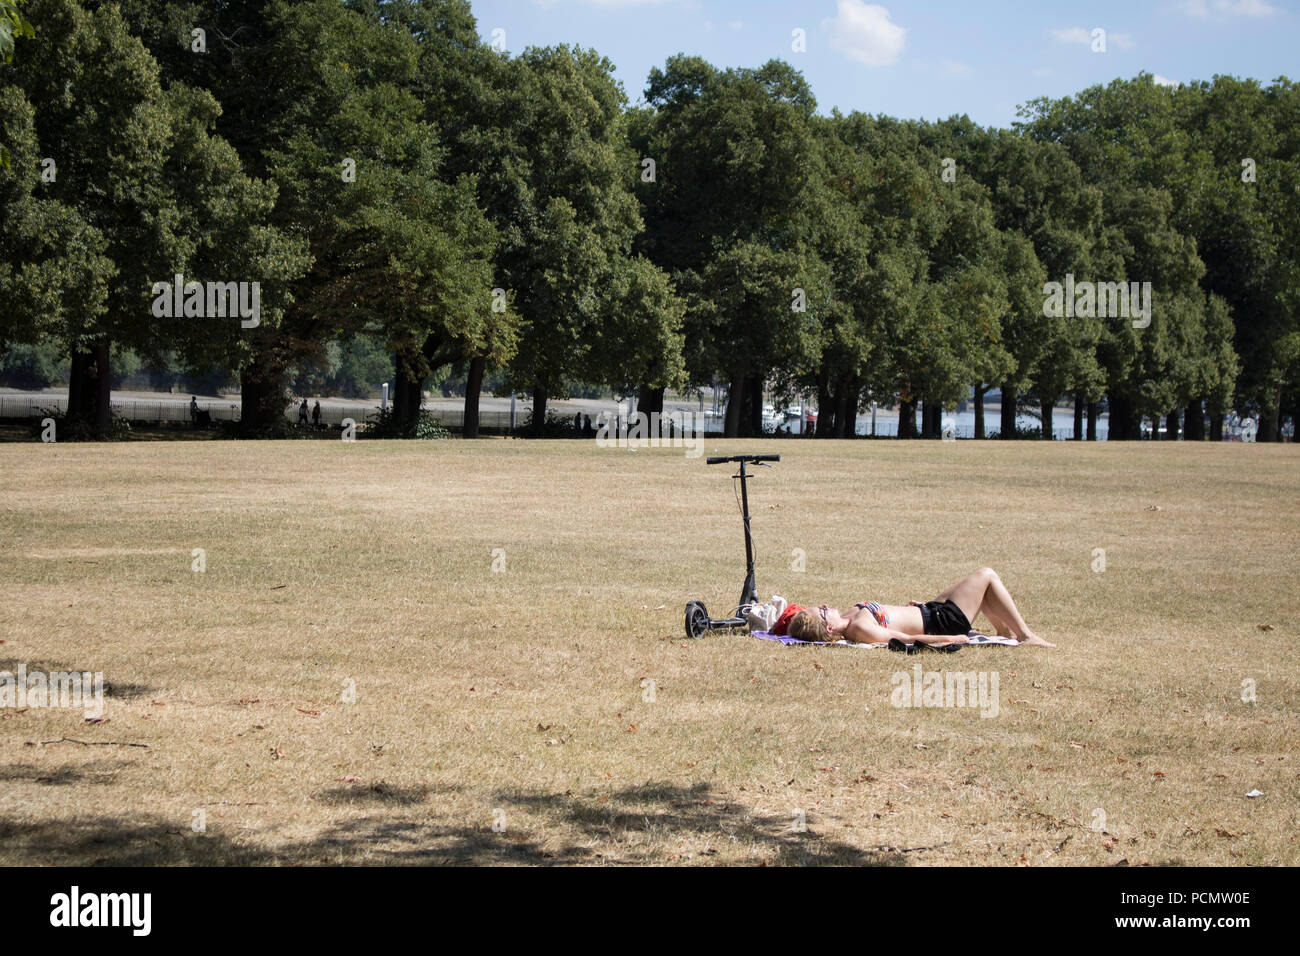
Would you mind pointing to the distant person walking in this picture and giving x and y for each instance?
(302, 413)
(194, 410)
(315, 414)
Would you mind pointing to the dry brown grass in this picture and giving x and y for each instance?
(523, 690)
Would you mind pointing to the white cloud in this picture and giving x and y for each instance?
(1164, 81)
(1073, 35)
(736, 24)
(1083, 37)
(1204, 9)
(865, 32)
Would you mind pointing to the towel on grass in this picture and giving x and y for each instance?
(975, 640)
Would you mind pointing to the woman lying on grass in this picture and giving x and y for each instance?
(945, 620)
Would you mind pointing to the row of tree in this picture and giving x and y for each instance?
(384, 174)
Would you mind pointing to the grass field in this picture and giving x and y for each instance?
(557, 698)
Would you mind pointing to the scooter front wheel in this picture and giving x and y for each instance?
(697, 619)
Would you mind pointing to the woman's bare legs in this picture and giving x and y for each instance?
(1000, 624)
(983, 592)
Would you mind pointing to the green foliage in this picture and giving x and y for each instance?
(70, 429)
(32, 366)
(415, 205)
(557, 426)
(12, 25)
(384, 424)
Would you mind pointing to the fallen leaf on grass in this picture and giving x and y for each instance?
(309, 713)
(1264, 627)
(349, 779)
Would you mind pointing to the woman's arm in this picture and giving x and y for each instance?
(869, 632)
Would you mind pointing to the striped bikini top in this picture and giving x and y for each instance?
(881, 617)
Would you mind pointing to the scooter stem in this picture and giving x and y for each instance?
(749, 591)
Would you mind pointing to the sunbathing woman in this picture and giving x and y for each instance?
(945, 620)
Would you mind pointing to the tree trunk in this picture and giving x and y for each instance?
(979, 409)
(650, 400)
(843, 417)
(735, 398)
(1216, 421)
(1171, 426)
(1008, 424)
(825, 406)
(1124, 424)
(262, 393)
(853, 391)
(1270, 414)
(1092, 421)
(539, 411)
(103, 420)
(408, 395)
(754, 406)
(473, 388)
(89, 410)
(1049, 418)
(1194, 421)
(1078, 416)
(907, 419)
(81, 392)
(931, 413)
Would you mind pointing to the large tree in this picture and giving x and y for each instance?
(138, 164)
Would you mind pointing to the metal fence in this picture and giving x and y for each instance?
(177, 410)
(131, 409)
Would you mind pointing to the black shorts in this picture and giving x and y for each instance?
(943, 618)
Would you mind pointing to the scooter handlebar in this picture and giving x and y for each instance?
(719, 461)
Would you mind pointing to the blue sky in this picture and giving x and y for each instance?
(922, 60)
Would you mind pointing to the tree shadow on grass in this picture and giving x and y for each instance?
(666, 813)
(644, 824)
(117, 690)
(102, 772)
(380, 793)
